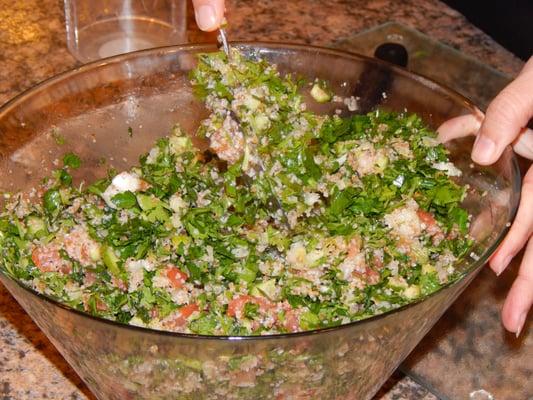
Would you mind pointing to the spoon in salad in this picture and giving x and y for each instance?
(224, 41)
(273, 201)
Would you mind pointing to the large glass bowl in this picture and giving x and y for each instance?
(89, 110)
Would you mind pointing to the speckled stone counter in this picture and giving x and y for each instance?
(32, 48)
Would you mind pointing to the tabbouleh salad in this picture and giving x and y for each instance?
(370, 218)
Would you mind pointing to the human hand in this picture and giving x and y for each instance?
(505, 123)
(209, 14)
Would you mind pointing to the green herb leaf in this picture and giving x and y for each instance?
(124, 200)
(52, 201)
(71, 160)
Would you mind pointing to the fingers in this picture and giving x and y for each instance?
(460, 126)
(209, 14)
(520, 231)
(466, 125)
(524, 144)
(520, 297)
(506, 116)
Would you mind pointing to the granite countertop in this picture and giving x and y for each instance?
(32, 48)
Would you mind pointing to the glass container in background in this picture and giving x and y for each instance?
(103, 28)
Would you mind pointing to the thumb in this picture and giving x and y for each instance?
(505, 118)
(209, 14)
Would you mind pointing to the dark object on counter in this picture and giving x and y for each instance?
(376, 80)
(394, 53)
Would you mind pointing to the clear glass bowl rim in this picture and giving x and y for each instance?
(207, 47)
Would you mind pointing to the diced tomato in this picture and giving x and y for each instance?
(182, 316)
(100, 305)
(372, 276)
(79, 246)
(432, 227)
(236, 306)
(154, 313)
(90, 278)
(354, 248)
(228, 143)
(48, 259)
(369, 276)
(426, 218)
(378, 262)
(187, 310)
(291, 321)
(119, 283)
(176, 276)
(452, 235)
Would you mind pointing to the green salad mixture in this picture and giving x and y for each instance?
(194, 241)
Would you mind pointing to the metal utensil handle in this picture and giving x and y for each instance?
(224, 40)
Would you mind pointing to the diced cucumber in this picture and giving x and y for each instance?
(180, 144)
(65, 194)
(247, 274)
(260, 123)
(428, 269)
(319, 94)
(412, 292)
(309, 320)
(147, 202)
(158, 214)
(382, 162)
(397, 282)
(20, 228)
(422, 255)
(94, 253)
(179, 239)
(36, 226)
(110, 260)
(266, 288)
(177, 204)
(252, 103)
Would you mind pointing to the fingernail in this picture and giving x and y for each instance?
(503, 265)
(484, 150)
(521, 322)
(206, 17)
